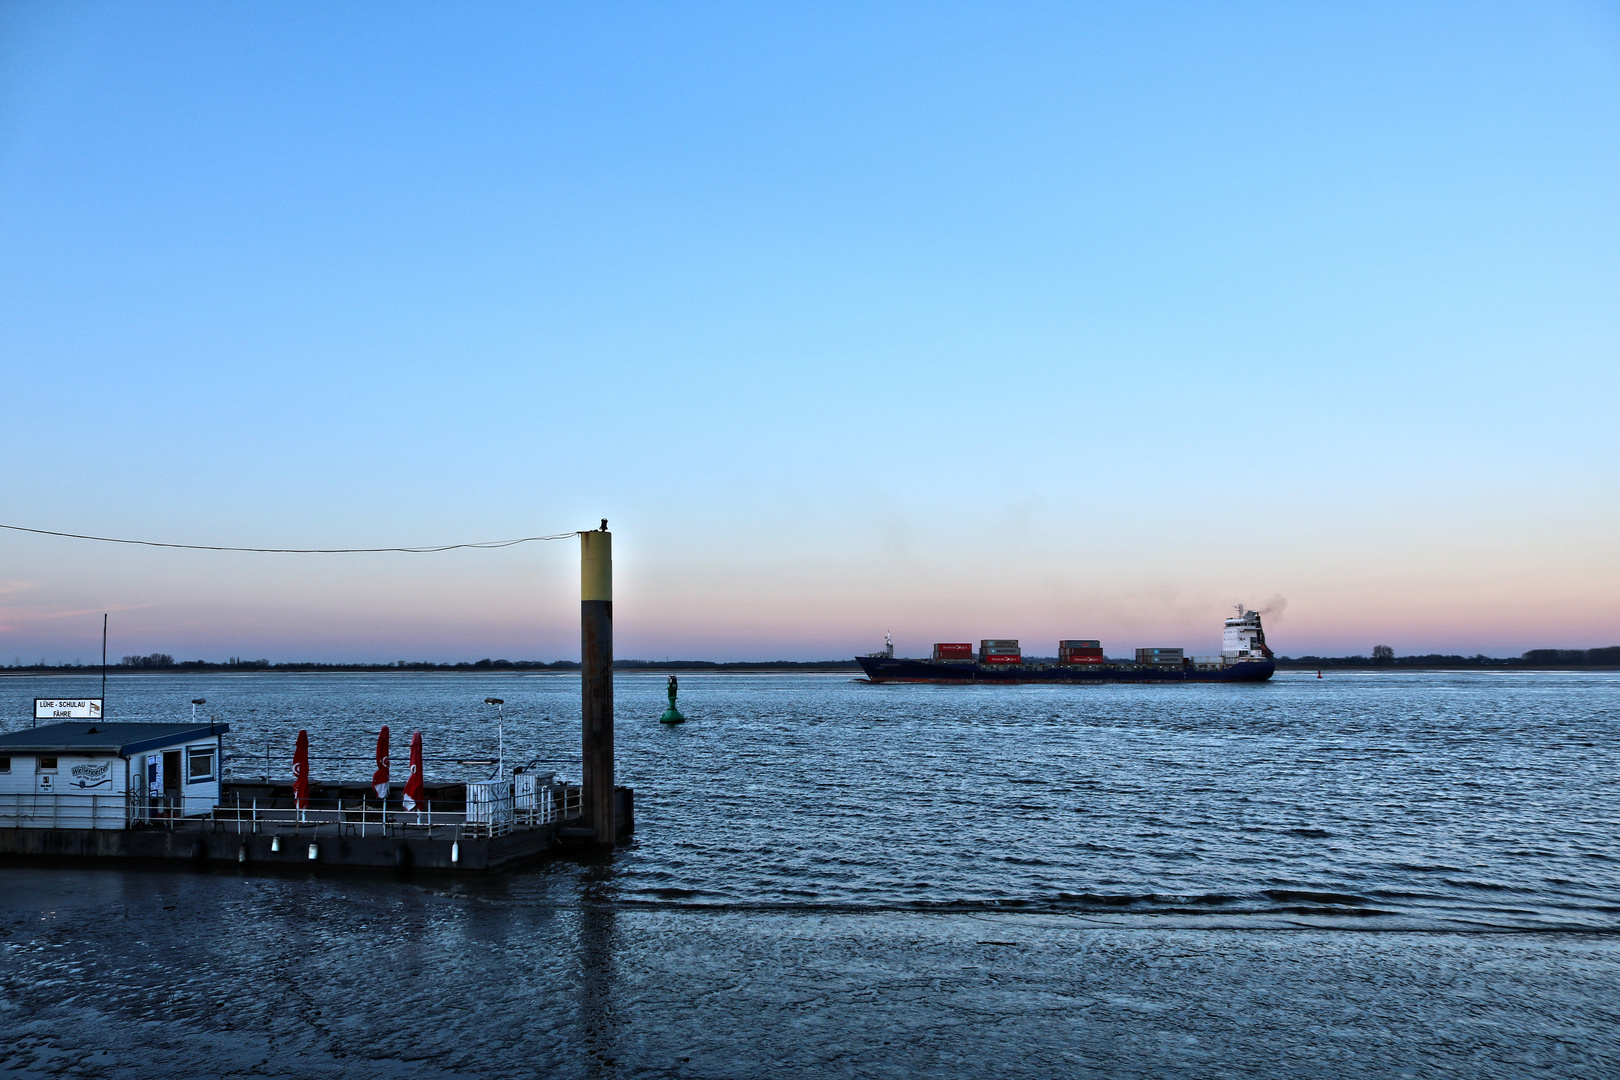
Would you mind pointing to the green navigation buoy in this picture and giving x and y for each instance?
(672, 715)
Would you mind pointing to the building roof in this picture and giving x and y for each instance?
(99, 737)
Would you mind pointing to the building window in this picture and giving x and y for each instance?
(5, 764)
(200, 763)
(47, 764)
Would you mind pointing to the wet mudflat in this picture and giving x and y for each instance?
(1407, 875)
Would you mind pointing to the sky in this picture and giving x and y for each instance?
(947, 320)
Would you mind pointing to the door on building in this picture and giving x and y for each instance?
(171, 777)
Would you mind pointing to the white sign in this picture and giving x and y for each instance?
(92, 775)
(67, 708)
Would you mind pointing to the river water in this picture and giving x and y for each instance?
(1400, 874)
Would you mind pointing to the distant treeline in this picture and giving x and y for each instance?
(1384, 657)
(163, 662)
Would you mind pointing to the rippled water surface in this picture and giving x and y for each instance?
(1432, 799)
(858, 880)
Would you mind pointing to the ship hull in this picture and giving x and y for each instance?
(883, 669)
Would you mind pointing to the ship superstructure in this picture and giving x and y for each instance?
(1244, 658)
(1243, 638)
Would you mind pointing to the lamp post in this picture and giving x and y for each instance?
(196, 701)
(500, 733)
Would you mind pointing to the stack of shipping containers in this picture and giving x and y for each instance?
(1160, 657)
(1000, 651)
(1080, 651)
(954, 650)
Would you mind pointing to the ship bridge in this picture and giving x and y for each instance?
(1243, 638)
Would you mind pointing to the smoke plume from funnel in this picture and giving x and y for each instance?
(1273, 609)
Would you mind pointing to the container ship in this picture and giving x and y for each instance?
(1244, 658)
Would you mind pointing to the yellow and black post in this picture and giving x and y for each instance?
(596, 660)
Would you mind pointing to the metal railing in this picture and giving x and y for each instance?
(114, 810)
(64, 810)
(496, 814)
(164, 809)
(499, 812)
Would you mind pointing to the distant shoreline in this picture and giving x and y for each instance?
(699, 667)
(1465, 665)
(560, 667)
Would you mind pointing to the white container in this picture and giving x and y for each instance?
(489, 802)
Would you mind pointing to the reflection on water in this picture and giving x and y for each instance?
(835, 878)
(598, 969)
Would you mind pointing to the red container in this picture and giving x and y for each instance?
(1078, 658)
(953, 650)
(1003, 659)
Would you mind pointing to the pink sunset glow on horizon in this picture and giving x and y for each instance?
(523, 604)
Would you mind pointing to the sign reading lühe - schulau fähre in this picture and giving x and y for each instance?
(84, 708)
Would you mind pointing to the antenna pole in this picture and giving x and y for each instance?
(104, 665)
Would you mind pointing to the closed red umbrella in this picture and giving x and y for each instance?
(413, 784)
(301, 771)
(379, 779)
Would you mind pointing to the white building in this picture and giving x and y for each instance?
(96, 775)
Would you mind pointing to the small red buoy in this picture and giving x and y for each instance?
(1318, 674)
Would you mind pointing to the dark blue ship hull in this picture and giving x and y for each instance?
(883, 669)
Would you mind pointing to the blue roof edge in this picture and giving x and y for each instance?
(186, 735)
(16, 743)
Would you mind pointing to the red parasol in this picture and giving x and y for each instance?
(301, 771)
(413, 784)
(379, 779)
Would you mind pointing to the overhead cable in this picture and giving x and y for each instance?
(295, 551)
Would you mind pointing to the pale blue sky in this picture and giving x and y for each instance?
(962, 321)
